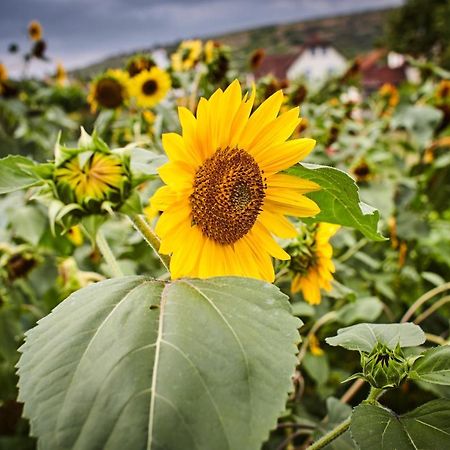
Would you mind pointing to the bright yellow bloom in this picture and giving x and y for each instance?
(94, 179)
(110, 90)
(317, 268)
(225, 197)
(35, 30)
(187, 55)
(149, 87)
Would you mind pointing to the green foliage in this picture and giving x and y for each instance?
(365, 336)
(433, 366)
(427, 427)
(160, 365)
(420, 28)
(339, 200)
(17, 172)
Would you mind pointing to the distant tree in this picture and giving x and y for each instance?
(421, 28)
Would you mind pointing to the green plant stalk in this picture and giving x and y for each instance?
(107, 253)
(374, 394)
(150, 237)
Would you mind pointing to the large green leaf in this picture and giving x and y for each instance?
(433, 366)
(365, 336)
(16, 172)
(142, 364)
(339, 200)
(427, 427)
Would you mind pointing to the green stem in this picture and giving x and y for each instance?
(150, 237)
(107, 253)
(374, 394)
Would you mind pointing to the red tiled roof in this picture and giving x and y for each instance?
(375, 77)
(276, 65)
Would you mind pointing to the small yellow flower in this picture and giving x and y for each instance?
(209, 49)
(35, 30)
(109, 90)
(60, 75)
(390, 93)
(149, 117)
(314, 346)
(187, 55)
(313, 269)
(149, 87)
(225, 197)
(94, 179)
(75, 235)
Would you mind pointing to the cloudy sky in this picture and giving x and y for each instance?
(79, 32)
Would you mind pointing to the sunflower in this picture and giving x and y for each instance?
(138, 63)
(390, 94)
(312, 264)
(95, 179)
(109, 90)
(35, 30)
(3, 73)
(187, 55)
(443, 91)
(60, 74)
(149, 87)
(224, 196)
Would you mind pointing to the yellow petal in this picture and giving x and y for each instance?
(281, 180)
(285, 155)
(266, 112)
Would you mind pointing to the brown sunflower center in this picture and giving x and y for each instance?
(109, 93)
(149, 87)
(229, 191)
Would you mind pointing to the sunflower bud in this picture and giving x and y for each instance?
(91, 176)
(384, 367)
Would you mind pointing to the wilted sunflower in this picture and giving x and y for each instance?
(138, 63)
(187, 55)
(3, 73)
(35, 30)
(312, 264)
(443, 91)
(150, 87)
(109, 90)
(256, 58)
(224, 196)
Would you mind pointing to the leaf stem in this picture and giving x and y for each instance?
(374, 394)
(424, 298)
(329, 316)
(332, 435)
(150, 237)
(107, 253)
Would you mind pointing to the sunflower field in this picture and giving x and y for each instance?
(192, 257)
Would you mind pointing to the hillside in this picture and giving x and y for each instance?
(351, 34)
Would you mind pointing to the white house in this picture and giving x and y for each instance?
(315, 61)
